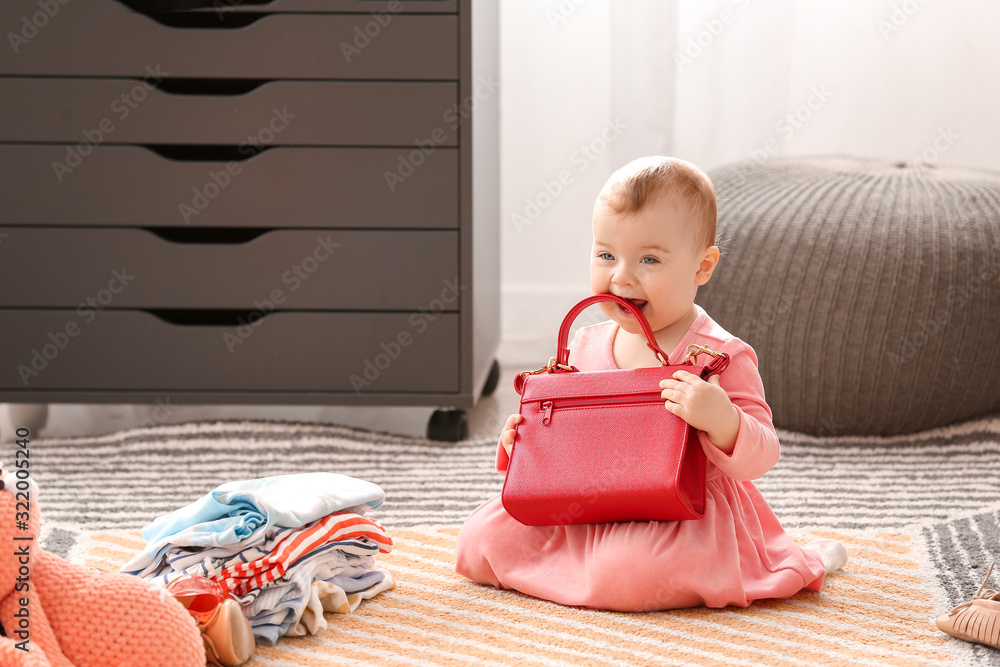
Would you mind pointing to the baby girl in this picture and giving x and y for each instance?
(654, 244)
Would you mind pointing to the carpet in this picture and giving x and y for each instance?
(920, 515)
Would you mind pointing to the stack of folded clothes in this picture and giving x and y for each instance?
(287, 548)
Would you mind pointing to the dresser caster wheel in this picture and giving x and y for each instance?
(448, 425)
(32, 416)
(492, 380)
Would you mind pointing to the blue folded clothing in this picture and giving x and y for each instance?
(239, 514)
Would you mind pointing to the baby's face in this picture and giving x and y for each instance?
(652, 258)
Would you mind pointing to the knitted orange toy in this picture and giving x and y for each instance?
(67, 615)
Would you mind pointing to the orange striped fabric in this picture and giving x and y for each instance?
(878, 611)
(244, 577)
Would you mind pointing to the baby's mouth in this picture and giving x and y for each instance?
(638, 303)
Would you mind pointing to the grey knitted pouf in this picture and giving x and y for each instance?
(869, 290)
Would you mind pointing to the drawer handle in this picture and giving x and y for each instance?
(175, 14)
(205, 152)
(146, 6)
(193, 317)
(208, 235)
(218, 87)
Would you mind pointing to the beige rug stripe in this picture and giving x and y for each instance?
(465, 617)
(314, 654)
(418, 632)
(342, 638)
(896, 537)
(886, 600)
(886, 545)
(853, 596)
(862, 566)
(399, 643)
(891, 563)
(482, 628)
(132, 541)
(112, 556)
(333, 643)
(428, 539)
(894, 591)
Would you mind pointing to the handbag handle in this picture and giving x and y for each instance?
(562, 358)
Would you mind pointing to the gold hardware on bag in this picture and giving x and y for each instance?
(550, 367)
(692, 352)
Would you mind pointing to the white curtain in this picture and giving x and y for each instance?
(590, 84)
(896, 79)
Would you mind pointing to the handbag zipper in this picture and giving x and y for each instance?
(546, 407)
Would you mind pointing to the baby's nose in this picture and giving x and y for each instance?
(623, 277)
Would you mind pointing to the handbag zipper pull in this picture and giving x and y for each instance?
(547, 408)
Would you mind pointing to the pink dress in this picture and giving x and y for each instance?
(736, 554)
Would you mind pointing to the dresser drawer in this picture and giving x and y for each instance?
(280, 187)
(124, 351)
(92, 112)
(273, 46)
(294, 269)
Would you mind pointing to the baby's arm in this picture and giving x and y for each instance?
(755, 447)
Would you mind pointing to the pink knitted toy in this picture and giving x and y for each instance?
(74, 616)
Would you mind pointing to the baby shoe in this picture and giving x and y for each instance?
(977, 620)
(226, 632)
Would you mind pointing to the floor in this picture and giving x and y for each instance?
(68, 420)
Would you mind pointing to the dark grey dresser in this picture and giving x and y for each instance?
(225, 201)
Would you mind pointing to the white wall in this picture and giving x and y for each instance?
(573, 108)
(714, 82)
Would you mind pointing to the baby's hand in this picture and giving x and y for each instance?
(507, 435)
(704, 405)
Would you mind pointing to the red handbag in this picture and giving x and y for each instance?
(599, 447)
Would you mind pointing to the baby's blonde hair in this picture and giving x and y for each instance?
(641, 181)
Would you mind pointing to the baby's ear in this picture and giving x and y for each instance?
(707, 266)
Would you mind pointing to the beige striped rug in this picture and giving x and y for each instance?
(876, 612)
(919, 515)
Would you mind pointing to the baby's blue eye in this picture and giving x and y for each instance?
(607, 256)
(649, 260)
